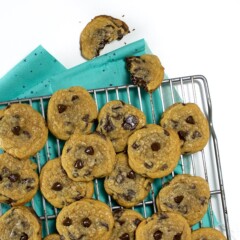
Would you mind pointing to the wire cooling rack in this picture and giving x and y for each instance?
(205, 163)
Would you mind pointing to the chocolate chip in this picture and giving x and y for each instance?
(57, 186)
(69, 149)
(108, 126)
(67, 222)
(136, 222)
(86, 222)
(85, 118)
(75, 97)
(166, 133)
(174, 123)
(78, 197)
(148, 165)
(1, 178)
(120, 35)
(117, 213)
(27, 134)
(202, 200)
(196, 134)
(130, 122)
(178, 236)
(27, 181)
(121, 222)
(178, 199)
(131, 175)
(130, 195)
(61, 108)
(190, 120)
(139, 82)
(1, 118)
(183, 209)
(14, 177)
(105, 225)
(162, 216)
(89, 150)
(16, 130)
(79, 164)
(155, 146)
(124, 236)
(135, 145)
(182, 135)
(116, 108)
(164, 167)
(157, 235)
(24, 236)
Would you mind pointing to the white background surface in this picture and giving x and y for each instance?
(190, 37)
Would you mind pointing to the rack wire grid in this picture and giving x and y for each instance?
(205, 163)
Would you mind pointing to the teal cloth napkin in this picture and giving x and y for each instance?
(40, 74)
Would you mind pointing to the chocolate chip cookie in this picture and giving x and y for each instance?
(125, 224)
(20, 223)
(118, 121)
(187, 195)
(71, 111)
(100, 31)
(85, 219)
(165, 226)
(207, 234)
(146, 71)
(86, 157)
(53, 237)
(124, 185)
(60, 190)
(23, 131)
(188, 121)
(18, 180)
(153, 151)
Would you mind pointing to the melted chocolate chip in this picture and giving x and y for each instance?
(148, 165)
(182, 135)
(108, 126)
(124, 236)
(121, 222)
(131, 175)
(79, 164)
(164, 167)
(86, 222)
(57, 186)
(139, 82)
(136, 222)
(67, 222)
(130, 195)
(14, 177)
(78, 197)
(178, 236)
(1, 178)
(157, 235)
(27, 134)
(155, 146)
(190, 120)
(120, 35)
(85, 118)
(16, 130)
(24, 236)
(202, 200)
(105, 225)
(89, 150)
(61, 108)
(117, 213)
(135, 145)
(75, 97)
(166, 133)
(130, 122)
(196, 134)
(178, 199)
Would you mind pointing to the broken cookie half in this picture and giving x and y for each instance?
(146, 71)
(100, 31)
